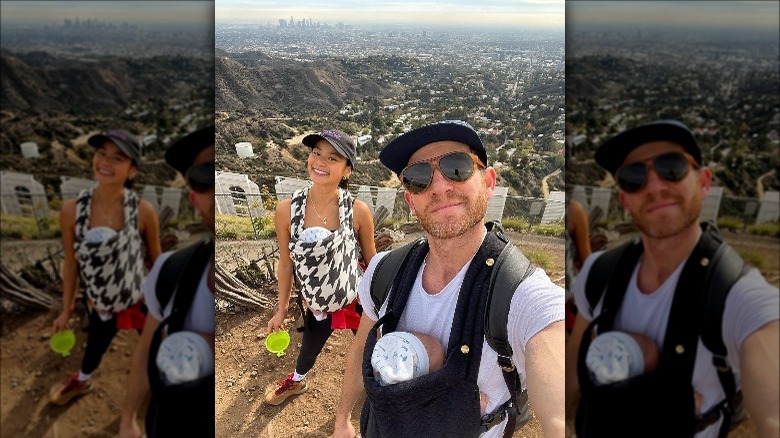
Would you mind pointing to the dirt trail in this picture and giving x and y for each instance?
(245, 368)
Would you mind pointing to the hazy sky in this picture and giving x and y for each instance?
(504, 13)
(753, 14)
(114, 11)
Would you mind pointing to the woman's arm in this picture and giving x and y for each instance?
(364, 226)
(284, 271)
(150, 229)
(70, 269)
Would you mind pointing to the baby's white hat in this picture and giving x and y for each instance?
(398, 357)
(183, 357)
(614, 356)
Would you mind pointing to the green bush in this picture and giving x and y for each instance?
(26, 228)
(754, 259)
(514, 224)
(730, 223)
(539, 258)
(772, 230)
(230, 227)
(557, 230)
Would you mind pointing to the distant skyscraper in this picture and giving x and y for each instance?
(282, 23)
(292, 22)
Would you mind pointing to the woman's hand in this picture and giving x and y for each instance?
(276, 322)
(61, 323)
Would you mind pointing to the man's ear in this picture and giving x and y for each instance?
(705, 179)
(490, 180)
(409, 202)
(194, 199)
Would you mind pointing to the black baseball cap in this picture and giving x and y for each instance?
(124, 141)
(613, 152)
(395, 156)
(182, 153)
(340, 141)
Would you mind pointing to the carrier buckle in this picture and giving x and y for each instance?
(720, 363)
(494, 419)
(506, 364)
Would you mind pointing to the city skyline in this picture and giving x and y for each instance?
(136, 12)
(495, 13)
(757, 15)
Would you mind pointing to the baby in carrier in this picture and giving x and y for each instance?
(402, 356)
(614, 356)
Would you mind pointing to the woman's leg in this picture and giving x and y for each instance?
(314, 338)
(99, 336)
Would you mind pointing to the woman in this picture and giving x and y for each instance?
(318, 230)
(102, 234)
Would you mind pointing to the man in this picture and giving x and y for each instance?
(186, 284)
(656, 287)
(443, 167)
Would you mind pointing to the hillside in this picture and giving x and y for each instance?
(252, 81)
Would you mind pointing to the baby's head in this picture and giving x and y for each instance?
(615, 356)
(402, 356)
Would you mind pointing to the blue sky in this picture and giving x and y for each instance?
(503, 13)
(753, 14)
(114, 11)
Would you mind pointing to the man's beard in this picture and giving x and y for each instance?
(661, 229)
(447, 229)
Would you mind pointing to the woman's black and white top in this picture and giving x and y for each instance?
(327, 269)
(111, 268)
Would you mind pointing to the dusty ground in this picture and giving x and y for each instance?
(30, 369)
(245, 368)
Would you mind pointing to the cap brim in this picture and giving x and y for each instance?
(613, 152)
(312, 139)
(97, 141)
(395, 156)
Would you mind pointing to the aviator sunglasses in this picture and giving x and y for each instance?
(200, 177)
(455, 166)
(672, 167)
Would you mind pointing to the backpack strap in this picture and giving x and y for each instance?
(510, 269)
(173, 269)
(726, 268)
(602, 270)
(386, 271)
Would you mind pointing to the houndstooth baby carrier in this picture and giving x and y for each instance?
(112, 270)
(327, 269)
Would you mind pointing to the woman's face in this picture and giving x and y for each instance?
(326, 165)
(111, 166)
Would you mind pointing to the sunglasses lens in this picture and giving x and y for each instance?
(632, 177)
(671, 167)
(417, 177)
(457, 167)
(201, 177)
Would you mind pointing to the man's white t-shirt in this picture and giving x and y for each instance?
(751, 304)
(200, 317)
(536, 304)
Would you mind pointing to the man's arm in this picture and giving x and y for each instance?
(138, 385)
(572, 384)
(545, 370)
(761, 378)
(352, 385)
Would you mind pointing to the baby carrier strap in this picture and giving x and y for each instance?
(720, 267)
(83, 202)
(173, 274)
(179, 409)
(511, 268)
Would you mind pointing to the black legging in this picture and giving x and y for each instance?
(314, 338)
(99, 336)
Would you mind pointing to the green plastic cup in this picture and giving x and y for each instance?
(62, 342)
(278, 342)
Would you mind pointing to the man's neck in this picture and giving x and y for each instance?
(662, 256)
(447, 257)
